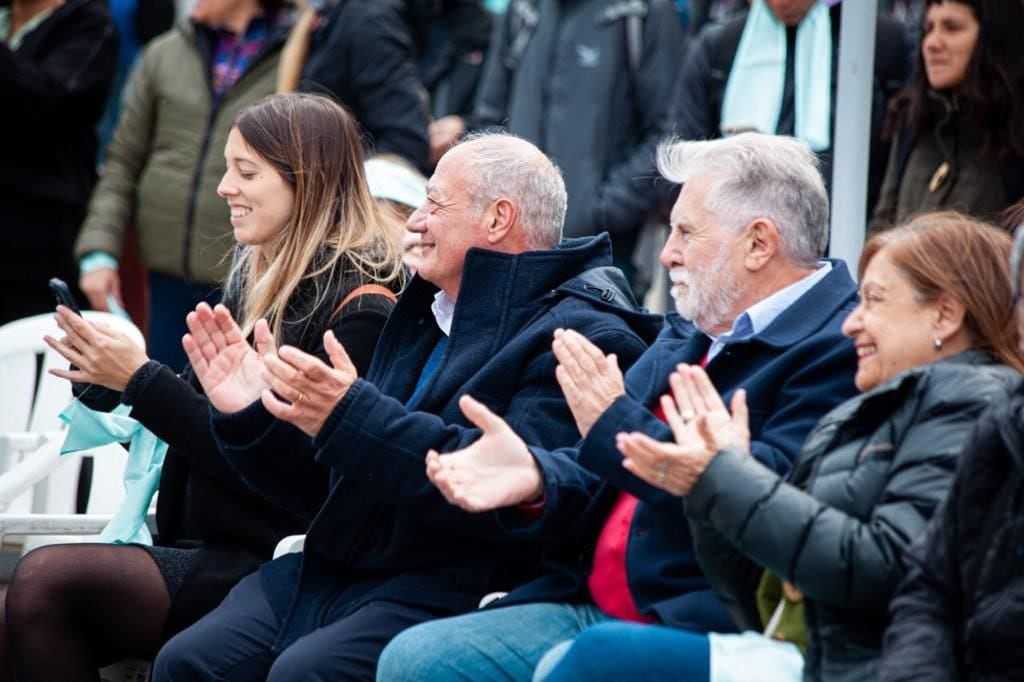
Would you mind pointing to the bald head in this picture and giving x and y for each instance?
(499, 165)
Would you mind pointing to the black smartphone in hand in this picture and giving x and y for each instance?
(63, 295)
(96, 393)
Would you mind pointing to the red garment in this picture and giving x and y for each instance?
(609, 581)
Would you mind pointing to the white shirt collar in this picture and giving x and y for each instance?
(757, 317)
(444, 310)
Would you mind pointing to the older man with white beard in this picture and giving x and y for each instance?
(760, 312)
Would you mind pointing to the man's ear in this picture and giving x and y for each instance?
(503, 214)
(760, 243)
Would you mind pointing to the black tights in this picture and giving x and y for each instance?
(71, 609)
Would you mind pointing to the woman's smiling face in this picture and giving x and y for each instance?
(892, 329)
(260, 199)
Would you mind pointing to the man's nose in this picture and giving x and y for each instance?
(416, 222)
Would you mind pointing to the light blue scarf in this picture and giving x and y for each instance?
(753, 95)
(89, 429)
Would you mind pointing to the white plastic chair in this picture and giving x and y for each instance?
(290, 544)
(295, 543)
(37, 485)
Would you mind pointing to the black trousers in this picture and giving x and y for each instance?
(233, 642)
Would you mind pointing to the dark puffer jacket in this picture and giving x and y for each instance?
(959, 612)
(867, 481)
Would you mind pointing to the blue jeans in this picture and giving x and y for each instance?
(628, 651)
(170, 300)
(495, 644)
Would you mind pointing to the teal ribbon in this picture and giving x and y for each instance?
(88, 429)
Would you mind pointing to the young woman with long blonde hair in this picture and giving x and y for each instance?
(312, 256)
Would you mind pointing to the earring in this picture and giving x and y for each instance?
(938, 343)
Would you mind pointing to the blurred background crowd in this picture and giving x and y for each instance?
(115, 113)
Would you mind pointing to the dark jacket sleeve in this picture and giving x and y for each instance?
(387, 88)
(921, 641)
(393, 441)
(83, 67)
(926, 614)
(629, 191)
(831, 556)
(801, 400)
(275, 458)
(598, 453)
(732, 574)
(177, 413)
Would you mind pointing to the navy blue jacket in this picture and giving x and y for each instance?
(794, 371)
(385, 532)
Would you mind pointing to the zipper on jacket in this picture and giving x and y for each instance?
(197, 176)
(552, 58)
(273, 40)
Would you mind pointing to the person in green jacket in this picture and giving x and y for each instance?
(164, 163)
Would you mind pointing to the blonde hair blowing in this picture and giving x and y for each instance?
(314, 144)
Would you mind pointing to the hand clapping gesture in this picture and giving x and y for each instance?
(495, 471)
(590, 380)
(701, 426)
(294, 386)
(312, 388)
(228, 368)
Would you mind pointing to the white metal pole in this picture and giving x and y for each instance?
(852, 141)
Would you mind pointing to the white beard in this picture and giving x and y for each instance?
(709, 294)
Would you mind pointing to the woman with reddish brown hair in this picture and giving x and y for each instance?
(813, 559)
(959, 611)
